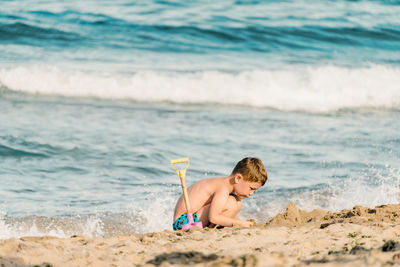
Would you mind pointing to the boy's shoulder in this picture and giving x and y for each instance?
(213, 180)
(214, 183)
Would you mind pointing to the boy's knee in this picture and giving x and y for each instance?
(234, 202)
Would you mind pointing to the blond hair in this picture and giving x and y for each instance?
(252, 170)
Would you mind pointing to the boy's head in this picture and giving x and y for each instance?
(252, 170)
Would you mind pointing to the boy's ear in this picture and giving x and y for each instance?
(238, 177)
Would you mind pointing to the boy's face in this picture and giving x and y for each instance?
(244, 188)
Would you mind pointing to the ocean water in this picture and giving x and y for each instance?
(96, 97)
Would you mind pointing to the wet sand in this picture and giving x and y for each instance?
(357, 237)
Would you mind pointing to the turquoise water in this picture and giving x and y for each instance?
(96, 98)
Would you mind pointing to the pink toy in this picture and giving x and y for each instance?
(191, 223)
(182, 174)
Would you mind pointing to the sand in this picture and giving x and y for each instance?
(357, 237)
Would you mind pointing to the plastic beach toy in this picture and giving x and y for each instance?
(182, 174)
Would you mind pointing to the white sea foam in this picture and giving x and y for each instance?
(314, 89)
(372, 188)
(157, 215)
(153, 215)
(90, 226)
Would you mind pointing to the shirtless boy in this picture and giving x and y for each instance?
(217, 201)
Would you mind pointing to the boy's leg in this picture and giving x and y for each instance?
(231, 209)
(232, 206)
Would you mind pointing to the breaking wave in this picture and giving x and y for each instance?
(313, 89)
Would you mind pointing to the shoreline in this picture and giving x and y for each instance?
(360, 236)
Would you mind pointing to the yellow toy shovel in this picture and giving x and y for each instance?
(182, 173)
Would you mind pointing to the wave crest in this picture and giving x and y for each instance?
(313, 89)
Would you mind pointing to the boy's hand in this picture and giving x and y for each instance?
(254, 223)
(247, 223)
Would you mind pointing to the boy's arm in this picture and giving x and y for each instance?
(216, 208)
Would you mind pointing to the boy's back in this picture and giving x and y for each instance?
(200, 194)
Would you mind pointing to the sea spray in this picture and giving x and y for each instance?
(372, 187)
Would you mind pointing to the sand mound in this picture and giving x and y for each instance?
(357, 237)
(360, 215)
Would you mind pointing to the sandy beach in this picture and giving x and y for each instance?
(357, 237)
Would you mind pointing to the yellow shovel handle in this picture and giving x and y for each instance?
(180, 160)
(182, 174)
